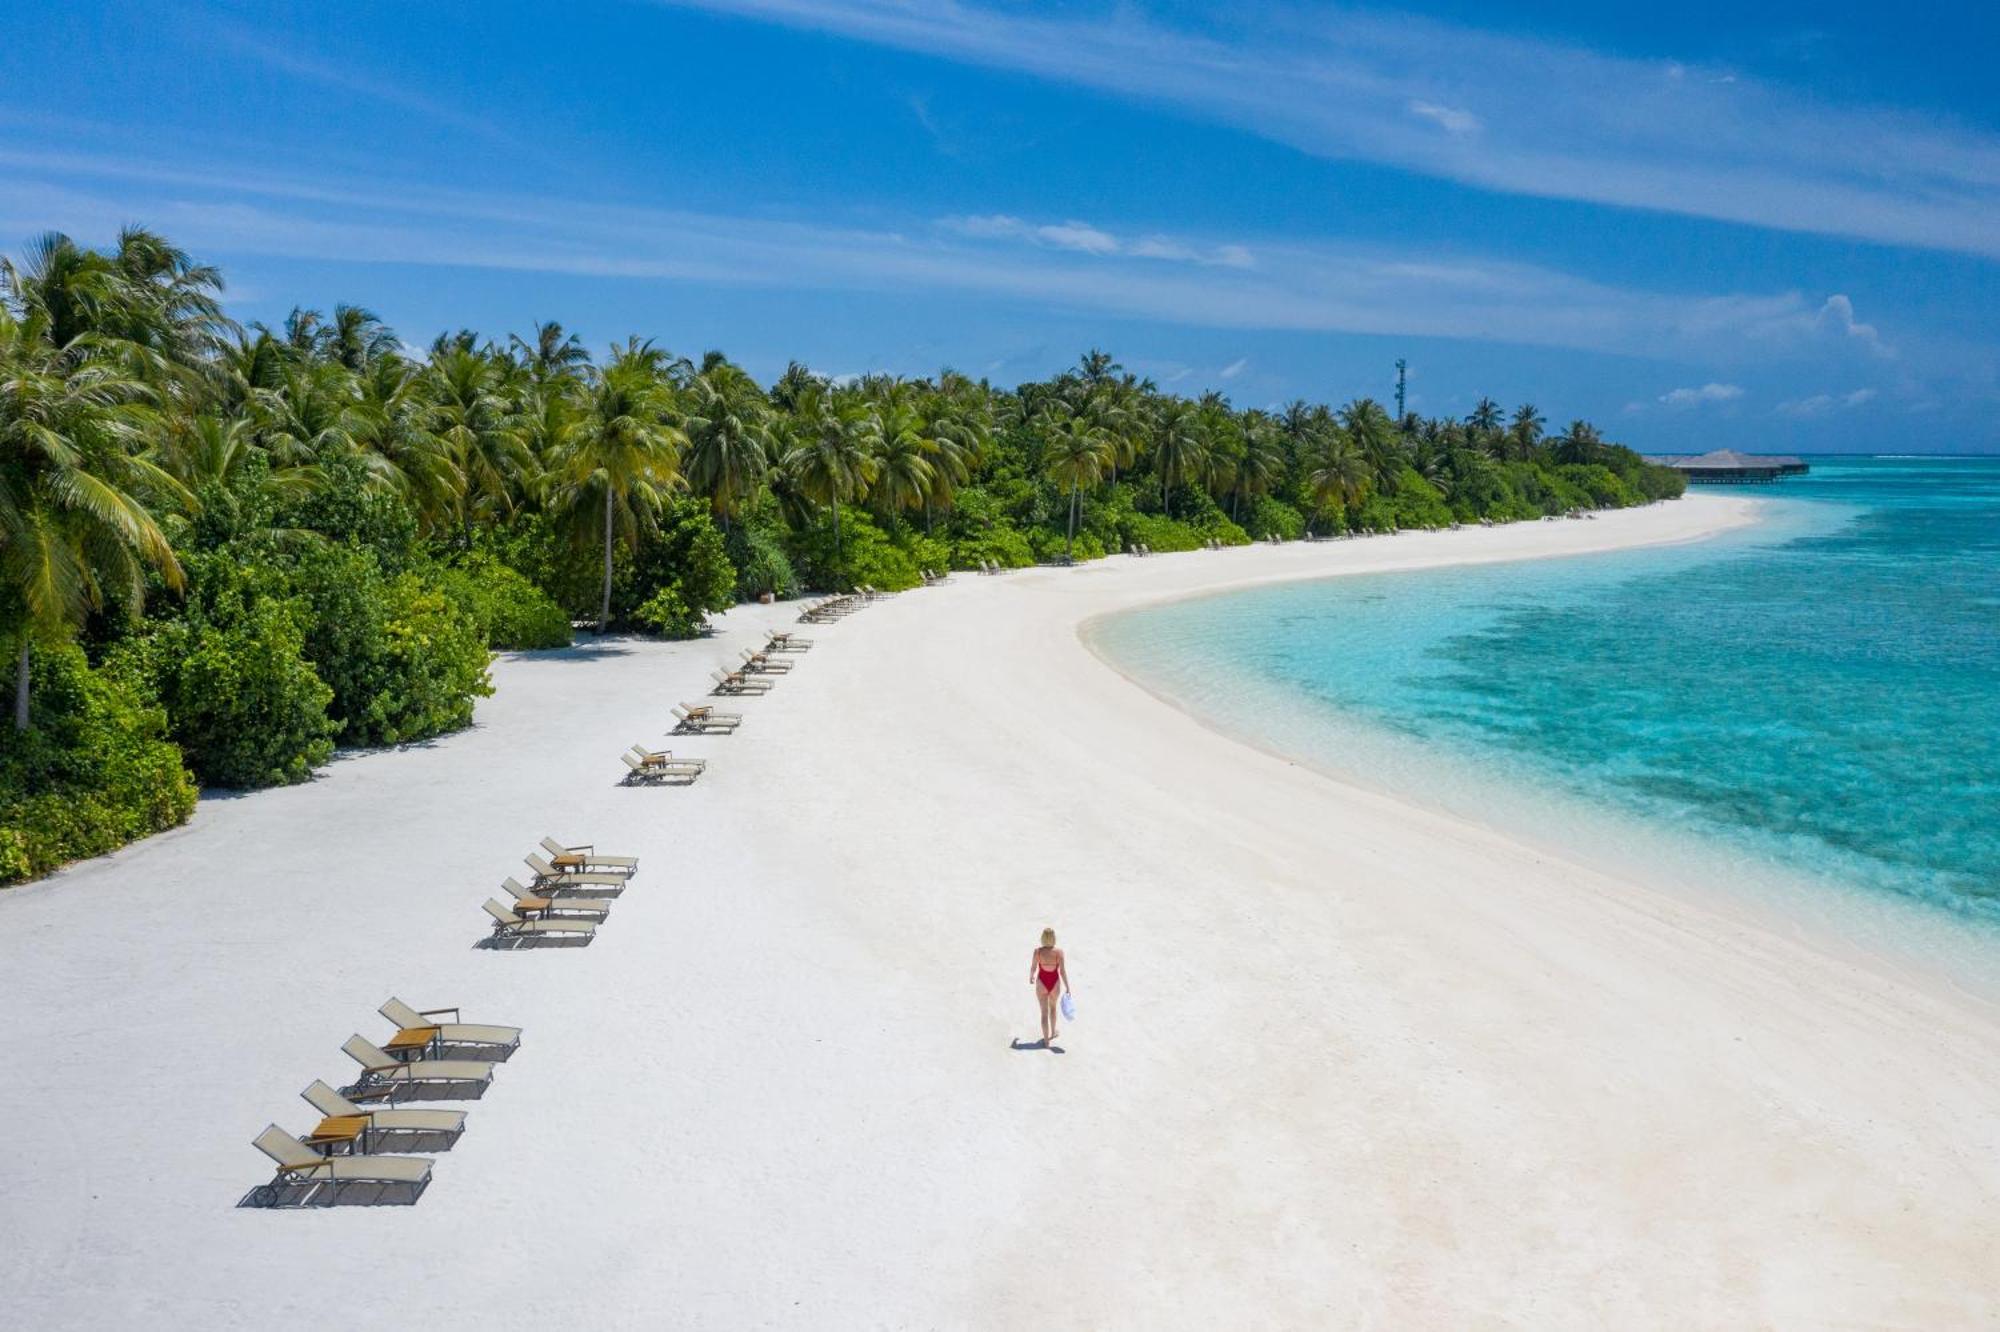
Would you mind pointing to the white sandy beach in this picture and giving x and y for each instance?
(1339, 1061)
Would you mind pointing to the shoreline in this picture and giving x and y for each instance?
(1338, 1059)
(1930, 947)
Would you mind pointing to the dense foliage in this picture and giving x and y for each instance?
(93, 772)
(269, 540)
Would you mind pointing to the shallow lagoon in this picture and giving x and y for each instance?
(1805, 710)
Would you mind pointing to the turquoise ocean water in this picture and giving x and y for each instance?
(1807, 712)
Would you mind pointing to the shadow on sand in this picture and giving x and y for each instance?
(378, 1093)
(1018, 1044)
(354, 1193)
(507, 943)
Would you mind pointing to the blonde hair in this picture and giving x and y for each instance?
(1048, 938)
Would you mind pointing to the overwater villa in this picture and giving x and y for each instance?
(1728, 467)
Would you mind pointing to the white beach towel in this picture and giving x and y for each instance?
(1068, 1006)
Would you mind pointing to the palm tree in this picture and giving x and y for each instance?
(833, 462)
(1178, 445)
(1338, 472)
(622, 450)
(1110, 413)
(1524, 432)
(1375, 435)
(1262, 465)
(478, 429)
(729, 438)
(1075, 454)
(1484, 418)
(552, 354)
(356, 337)
(904, 447)
(1580, 443)
(72, 525)
(1097, 367)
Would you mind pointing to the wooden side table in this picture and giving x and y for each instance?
(410, 1041)
(349, 1131)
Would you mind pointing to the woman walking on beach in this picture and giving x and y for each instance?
(1050, 978)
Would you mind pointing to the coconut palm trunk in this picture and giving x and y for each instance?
(604, 607)
(1069, 542)
(21, 686)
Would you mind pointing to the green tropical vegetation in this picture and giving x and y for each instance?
(226, 549)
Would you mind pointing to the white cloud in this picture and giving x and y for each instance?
(1823, 404)
(1555, 121)
(1089, 239)
(1837, 315)
(1451, 119)
(1078, 236)
(233, 210)
(1234, 368)
(1682, 398)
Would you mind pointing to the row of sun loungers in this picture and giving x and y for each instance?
(933, 577)
(993, 567)
(1138, 550)
(569, 895)
(828, 609)
(649, 767)
(448, 1060)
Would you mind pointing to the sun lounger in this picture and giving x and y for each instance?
(703, 721)
(383, 1075)
(641, 769)
(763, 663)
(300, 1164)
(664, 758)
(508, 925)
(736, 682)
(453, 1032)
(787, 643)
(590, 858)
(335, 1106)
(547, 875)
(555, 907)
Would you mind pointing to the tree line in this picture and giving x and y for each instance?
(227, 548)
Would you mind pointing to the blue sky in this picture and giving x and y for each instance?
(1700, 225)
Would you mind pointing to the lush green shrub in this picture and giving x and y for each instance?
(1417, 503)
(1162, 534)
(981, 532)
(434, 661)
(866, 555)
(1601, 487)
(242, 702)
(761, 564)
(93, 772)
(511, 612)
(680, 573)
(345, 508)
(1049, 545)
(1272, 517)
(403, 661)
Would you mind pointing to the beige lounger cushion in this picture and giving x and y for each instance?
(332, 1104)
(452, 1033)
(377, 1061)
(555, 848)
(519, 926)
(544, 870)
(303, 1162)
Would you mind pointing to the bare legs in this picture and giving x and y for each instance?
(1047, 998)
